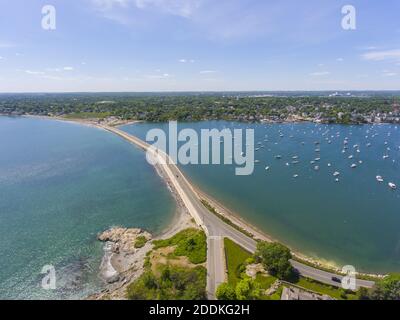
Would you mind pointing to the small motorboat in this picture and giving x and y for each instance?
(379, 178)
(392, 186)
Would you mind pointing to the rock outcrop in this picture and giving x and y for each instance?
(123, 239)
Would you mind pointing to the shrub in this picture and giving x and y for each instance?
(174, 283)
(247, 289)
(140, 242)
(226, 292)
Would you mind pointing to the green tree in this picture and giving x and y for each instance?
(247, 289)
(275, 258)
(363, 294)
(387, 289)
(225, 292)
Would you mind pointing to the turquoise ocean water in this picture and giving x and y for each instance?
(60, 185)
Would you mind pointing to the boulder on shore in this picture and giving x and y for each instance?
(123, 239)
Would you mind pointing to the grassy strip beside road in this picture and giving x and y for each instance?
(315, 286)
(240, 286)
(335, 270)
(235, 257)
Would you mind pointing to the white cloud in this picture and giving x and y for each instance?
(389, 74)
(34, 72)
(382, 55)
(208, 71)
(60, 69)
(183, 60)
(6, 45)
(109, 4)
(183, 8)
(159, 76)
(52, 77)
(339, 59)
(367, 48)
(223, 19)
(320, 74)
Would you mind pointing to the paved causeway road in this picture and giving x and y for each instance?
(216, 229)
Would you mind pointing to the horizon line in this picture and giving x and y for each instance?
(198, 91)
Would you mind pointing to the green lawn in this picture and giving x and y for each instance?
(191, 243)
(265, 282)
(235, 257)
(321, 288)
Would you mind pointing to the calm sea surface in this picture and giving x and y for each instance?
(60, 185)
(353, 221)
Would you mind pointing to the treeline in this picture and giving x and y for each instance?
(198, 107)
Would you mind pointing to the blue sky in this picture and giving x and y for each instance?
(198, 45)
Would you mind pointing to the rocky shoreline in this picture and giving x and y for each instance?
(123, 263)
(123, 260)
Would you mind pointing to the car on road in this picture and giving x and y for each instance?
(336, 279)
